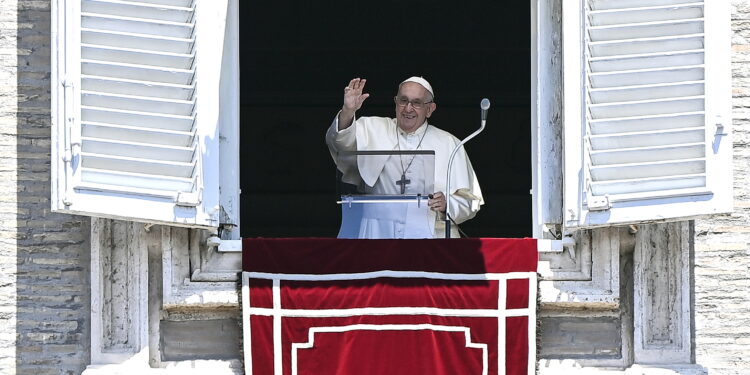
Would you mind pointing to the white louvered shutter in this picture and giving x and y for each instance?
(647, 87)
(135, 130)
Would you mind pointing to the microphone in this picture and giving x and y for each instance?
(485, 104)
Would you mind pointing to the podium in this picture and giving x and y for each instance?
(390, 193)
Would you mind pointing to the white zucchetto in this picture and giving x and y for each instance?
(422, 82)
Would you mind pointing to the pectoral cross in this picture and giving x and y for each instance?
(403, 182)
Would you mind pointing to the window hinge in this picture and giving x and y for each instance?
(594, 203)
(224, 246)
(719, 133)
(191, 199)
(557, 246)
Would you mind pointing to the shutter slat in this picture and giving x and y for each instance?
(138, 9)
(136, 180)
(136, 134)
(645, 14)
(649, 154)
(138, 72)
(648, 185)
(137, 57)
(648, 169)
(174, 3)
(646, 30)
(646, 123)
(647, 45)
(161, 188)
(625, 4)
(153, 167)
(144, 104)
(135, 40)
(131, 87)
(647, 76)
(138, 150)
(646, 61)
(645, 92)
(138, 118)
(95, 21)
(646, 139)
(646, 107)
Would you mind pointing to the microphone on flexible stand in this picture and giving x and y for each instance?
(485, 106)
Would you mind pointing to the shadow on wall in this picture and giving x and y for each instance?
(53, 287)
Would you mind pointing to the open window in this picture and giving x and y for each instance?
(294, 68)
(144, 111)
(632, 125)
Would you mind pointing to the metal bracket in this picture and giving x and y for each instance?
(719, 133)
(594, 203)
(720, 130)
(192, 199)
(224, 246)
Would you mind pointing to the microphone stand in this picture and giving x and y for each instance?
(485, 105)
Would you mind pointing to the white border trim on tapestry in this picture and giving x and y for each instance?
(278, 312)
(389, 327)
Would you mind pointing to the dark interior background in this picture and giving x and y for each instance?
(296, 58)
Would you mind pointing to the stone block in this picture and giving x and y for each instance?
(219, 339)
(580, 338)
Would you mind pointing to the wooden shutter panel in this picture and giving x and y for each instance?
(647, 110)
(128, 140)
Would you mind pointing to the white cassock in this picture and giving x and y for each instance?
(379, 175)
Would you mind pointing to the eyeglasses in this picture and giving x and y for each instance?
(403, 102)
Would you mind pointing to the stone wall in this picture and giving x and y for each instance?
(8, 105)
(722, 244)
(44, 257)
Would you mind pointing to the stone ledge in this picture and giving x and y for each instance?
(203, 294)
(198, 367)
(570, 367)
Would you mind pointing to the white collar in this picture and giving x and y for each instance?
(421, 129)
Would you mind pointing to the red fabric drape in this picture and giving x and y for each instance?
(401, 340)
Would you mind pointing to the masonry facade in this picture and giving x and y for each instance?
(80, 294)
(722, 244)
(44, 257)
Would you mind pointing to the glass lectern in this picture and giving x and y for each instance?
(384, 194)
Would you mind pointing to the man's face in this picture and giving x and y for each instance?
(409, 118)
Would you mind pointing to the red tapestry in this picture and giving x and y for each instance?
(395, 307)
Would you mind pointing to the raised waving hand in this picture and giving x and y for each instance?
(353, 99)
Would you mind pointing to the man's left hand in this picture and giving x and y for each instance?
(437, 202)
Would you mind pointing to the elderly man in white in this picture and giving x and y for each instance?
(414, 104)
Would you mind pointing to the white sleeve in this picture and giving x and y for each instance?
(341, 140)
(466, 196)
(464, 205)
(344, 140)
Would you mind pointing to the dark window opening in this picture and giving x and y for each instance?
(296, 58)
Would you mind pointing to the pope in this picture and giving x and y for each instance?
(410, 130)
